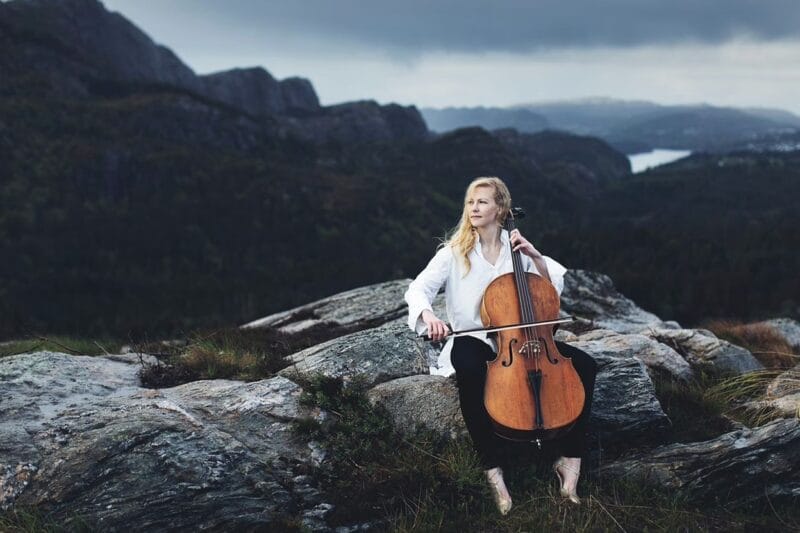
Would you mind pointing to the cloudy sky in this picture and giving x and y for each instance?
(496, 53)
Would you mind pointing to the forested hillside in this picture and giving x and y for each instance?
(134, 205)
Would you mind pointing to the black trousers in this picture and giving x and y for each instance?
(469, 356)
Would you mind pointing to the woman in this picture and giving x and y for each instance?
(476, 253)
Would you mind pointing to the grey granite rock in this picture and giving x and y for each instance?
(353, 310)
(705, 351)
(424, 401)
(739, 466)
(782, 394)
(789, 329)
(79, 437)
(654, 354)
(376, 355)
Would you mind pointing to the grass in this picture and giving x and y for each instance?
(226, 353)
(221, 353)
(706, 407)
(33, 520)
(60, 343)
(695, 415)
(427, 483)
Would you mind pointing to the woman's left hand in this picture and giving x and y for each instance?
(522, 244)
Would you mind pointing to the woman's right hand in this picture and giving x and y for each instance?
(437, 329)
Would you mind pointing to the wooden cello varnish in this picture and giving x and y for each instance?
(532, 391)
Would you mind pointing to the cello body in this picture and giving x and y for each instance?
(532, 392)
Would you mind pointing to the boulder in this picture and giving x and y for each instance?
(353, 310)
(657, 356)
(788, 328)
(375, 355)
(424, 401)
(625, 409)
(782, 395)
(592, 296)
(739, 466)
(705, 352)
(216, 454)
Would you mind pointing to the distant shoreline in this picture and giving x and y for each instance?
(658, 156)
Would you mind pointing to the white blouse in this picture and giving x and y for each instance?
(463, 294)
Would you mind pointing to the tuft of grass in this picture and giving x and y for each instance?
(694, 414)
(376, 476)
(225, 353)
(60, 343)
(745, 397)
(33, 520)
(762, 340)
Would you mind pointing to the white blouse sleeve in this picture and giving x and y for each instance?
(423, 289)
(555, 269)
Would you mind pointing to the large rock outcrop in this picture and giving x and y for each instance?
(353, 310)
(705, 351)
(80, 437)
(736, 467)
(374, 355)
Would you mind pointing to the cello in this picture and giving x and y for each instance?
(532, 392)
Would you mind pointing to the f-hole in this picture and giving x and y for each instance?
(511, 343)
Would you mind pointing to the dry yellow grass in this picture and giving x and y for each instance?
(764, 342)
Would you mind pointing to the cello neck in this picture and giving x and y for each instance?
(520, 278)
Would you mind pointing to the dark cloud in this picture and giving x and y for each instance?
(411, 26)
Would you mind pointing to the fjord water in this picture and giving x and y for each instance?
(658, 156)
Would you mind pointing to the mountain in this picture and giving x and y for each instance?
(630, 126)
(451, 118)
(78, 49)
(142, 199)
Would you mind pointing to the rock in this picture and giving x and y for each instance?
(652, 353)
(299, 95)
(377, 355)
(425, 401)
(592, 296)
(103, 44)
(213, 454)
(705, 352)
(255, 91)
(354, 310)
(625, 409)
(363, 121)
(782, 395)
(788, 328)
(739, 466)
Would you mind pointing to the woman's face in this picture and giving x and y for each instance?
(481, 207)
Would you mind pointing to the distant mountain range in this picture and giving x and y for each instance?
(630, 126)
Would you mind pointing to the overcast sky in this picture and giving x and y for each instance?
(495, 53)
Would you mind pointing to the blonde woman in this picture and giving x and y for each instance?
(476, 253)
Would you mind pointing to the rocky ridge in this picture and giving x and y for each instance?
(77, 48)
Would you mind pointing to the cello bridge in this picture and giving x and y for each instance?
(531, 348)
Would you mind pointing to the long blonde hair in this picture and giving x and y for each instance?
(463, 236)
